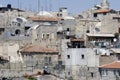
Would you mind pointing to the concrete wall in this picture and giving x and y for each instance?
(76, 57)
(82, 69)
(10, 51)
(110, 74)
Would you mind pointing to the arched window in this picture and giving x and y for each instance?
(17, 32)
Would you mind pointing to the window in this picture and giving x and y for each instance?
(60, 15)
(119, 72)
(68, 29)
(19, 24)
(68, 73)
(48, 35)
(119, 30)
(114, 72)
(104, 13)
(119, 20)
(92, 74)
(26, 28)
(43, 36)
(104, 72)
(1, 30)
(87, 31)
(88, 69)
(68, 56)
(50, 60)
(95, 15)
(111, 54)
(82, 56)
(60, 62)
(46, 59)
(118, 57)
(25, 54)
(59, 56)
(60, 10)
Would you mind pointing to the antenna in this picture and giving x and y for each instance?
(42, 9)
(50, 5)
(18, 6)
(39, 2)
(95, 2)
(30, 7)
(59, 4)
(46, 5)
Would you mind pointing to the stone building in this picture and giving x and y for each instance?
(13, 24)
(9, 51)
(46, 31)
(98, 20)
(110, 71)
(37, 57)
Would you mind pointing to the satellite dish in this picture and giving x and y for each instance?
(114, 39)
(97, 6)
(97, 29)
(78, 35)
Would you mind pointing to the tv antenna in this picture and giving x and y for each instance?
(39, 3)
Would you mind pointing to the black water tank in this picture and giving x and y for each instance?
(9, 6)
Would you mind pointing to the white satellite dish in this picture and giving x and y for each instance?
(114, 39)
(78, 35)
(97, 29)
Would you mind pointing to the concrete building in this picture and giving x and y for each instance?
(82, 63)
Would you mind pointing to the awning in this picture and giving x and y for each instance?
(115, 50)
(100, 35)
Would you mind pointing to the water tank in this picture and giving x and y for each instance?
(9, 6)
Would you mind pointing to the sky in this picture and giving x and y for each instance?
(74, 6)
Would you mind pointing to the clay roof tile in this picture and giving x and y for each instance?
(113, 65)
(37, 48)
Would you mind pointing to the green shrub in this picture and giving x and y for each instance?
(32, 78)
(70, 78)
